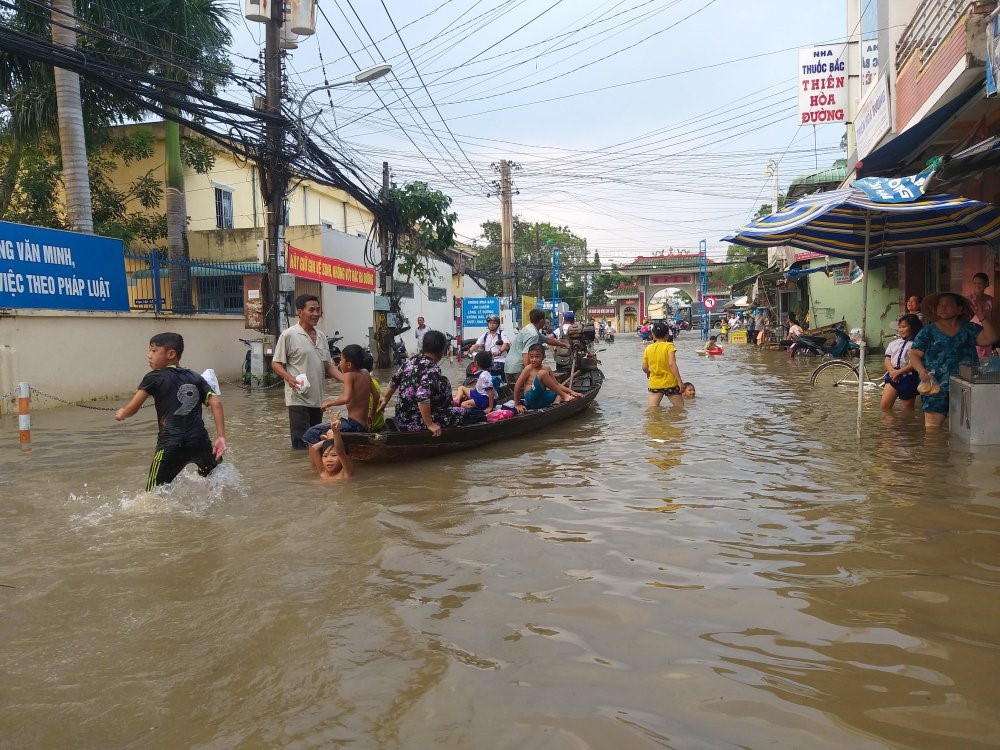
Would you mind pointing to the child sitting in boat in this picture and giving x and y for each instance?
(482, 395)
(545, 389)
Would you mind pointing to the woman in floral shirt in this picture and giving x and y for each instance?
(425, 400)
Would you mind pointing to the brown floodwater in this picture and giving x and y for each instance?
(740, 574)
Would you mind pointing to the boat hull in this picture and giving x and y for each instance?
(404, 446)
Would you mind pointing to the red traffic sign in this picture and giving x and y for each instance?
(708, 302)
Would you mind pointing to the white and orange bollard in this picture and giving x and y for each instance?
(24, 414)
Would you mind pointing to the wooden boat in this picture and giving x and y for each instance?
(403, 446)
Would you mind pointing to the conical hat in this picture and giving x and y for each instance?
(929, 306)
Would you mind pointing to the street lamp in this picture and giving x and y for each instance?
(277, 184)
(362, 76)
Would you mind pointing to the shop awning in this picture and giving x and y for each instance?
(768, 274)
(895, 156)
(957, 167)
(229, 269)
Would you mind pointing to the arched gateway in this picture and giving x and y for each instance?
(654, 274)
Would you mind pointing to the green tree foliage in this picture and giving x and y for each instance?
(32, 166)
(741, 262)
(34, 197)
(607, 281)
(765, 208)
(532, 268)
(425, 229)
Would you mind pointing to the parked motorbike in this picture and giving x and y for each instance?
(837, 344)
(334, 349)
(472, 372)
(245, 376)
(398, 352)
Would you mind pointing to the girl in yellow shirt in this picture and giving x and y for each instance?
(659, 362)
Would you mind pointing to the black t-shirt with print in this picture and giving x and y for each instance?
(179, 394)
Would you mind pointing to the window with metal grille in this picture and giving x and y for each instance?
(220, 294)
(403, 290)
(437, 294)
(223, 208)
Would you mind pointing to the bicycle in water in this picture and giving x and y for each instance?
(842, 373)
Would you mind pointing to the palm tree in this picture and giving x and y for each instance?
(190, 33)
(71, 137)
(184, 40)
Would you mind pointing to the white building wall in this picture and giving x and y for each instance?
(80, 356)
(351, 311)
(440, 315)
(348, 310)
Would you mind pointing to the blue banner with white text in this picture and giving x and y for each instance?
(476, 309)
(896, 189)
(57, 270)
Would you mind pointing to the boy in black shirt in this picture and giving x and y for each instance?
(178, 394)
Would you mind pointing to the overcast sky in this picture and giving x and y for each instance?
(639, 124)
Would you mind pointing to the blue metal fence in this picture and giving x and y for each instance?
(215, 287)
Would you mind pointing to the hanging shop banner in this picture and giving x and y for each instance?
(823, 84)
(874, 119)
(476, 309)
(56, 270)
(869, 48)
(897, 189)
(329, 270)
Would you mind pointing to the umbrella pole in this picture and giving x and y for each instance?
(864, 320)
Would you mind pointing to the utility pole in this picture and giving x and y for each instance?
(274, 174)
(381, 338)
(536, 271)
(506, 230)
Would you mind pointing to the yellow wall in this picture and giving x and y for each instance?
(309, 203)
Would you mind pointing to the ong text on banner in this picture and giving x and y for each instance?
(56, 270)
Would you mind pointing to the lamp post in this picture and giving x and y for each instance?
(276, 186)
(362, 76)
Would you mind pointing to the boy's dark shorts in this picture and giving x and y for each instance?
(170, 461)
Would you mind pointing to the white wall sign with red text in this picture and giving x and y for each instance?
(822, 82)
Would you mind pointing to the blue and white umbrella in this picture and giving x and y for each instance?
(849, 224)
(876, 217)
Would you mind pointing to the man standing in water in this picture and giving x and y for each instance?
(419, 332)
(302, 350)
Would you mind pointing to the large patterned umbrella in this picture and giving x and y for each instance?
(875, 217)
(849, 224)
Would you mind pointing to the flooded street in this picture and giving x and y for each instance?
(743, 573)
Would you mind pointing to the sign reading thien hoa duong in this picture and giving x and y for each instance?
(823, 84)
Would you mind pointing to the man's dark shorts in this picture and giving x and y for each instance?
(315, 433)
